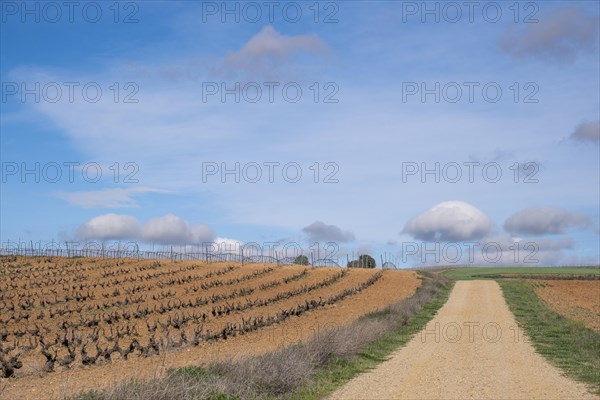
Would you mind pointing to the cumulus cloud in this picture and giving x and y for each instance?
(110, 227)
(268, 49)
(561, 35)
(167, 230)
(450, 221)
(587, 131)
(171, 229)
(544, 221)
(321, 232)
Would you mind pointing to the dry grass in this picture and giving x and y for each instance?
(280, 373)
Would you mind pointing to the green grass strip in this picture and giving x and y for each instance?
(565, 343)
(485, 272)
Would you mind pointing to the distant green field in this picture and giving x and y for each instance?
(483, 273)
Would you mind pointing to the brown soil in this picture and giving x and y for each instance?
(577, 300)
(31, 383)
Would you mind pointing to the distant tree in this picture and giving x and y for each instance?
(364, 261)
(301, 259)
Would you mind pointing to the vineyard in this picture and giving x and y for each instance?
(65, 315)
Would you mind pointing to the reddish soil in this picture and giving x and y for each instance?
(169, 284)
(577, 300)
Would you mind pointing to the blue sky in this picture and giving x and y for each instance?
(361, 120)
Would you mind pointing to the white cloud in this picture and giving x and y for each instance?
(544, 221)
(110, 227)
(166, 230)
(560, 35)
(450, 221)
(170, 229)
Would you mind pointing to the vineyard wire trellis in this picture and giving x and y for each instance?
(173, 256)
(388, 261)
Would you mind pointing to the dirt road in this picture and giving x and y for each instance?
(471, 349)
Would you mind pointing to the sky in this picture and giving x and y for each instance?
(428, 132)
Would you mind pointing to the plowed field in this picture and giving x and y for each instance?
(76, 324)
(574, 299)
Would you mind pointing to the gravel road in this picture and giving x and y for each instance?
(472, 349)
